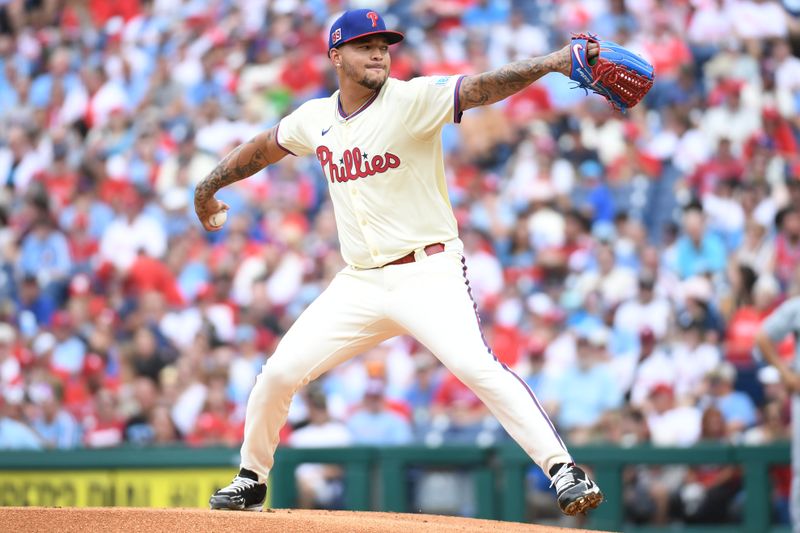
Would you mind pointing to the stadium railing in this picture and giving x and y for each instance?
(375, 478)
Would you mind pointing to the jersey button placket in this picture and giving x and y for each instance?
(361, 218)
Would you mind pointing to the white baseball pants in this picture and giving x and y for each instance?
(430, 300)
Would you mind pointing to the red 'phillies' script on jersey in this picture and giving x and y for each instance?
(354, 164)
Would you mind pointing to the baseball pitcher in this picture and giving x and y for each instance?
(378, 142)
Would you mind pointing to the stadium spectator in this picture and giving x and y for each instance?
(651, 366)
(44, 254)
(374, 424)
(532, 365)
(578, 414)
(772, 426)
(646, 311)
(14, 433)
(246, 364)
(69, 349)
(104, 428)
(55, 426)
(736, 407)
(670, 424)
(698, 250)
(319, 485)
(694, 357)
(19, 161)
(419, 396)
(133, 231)
(709, 492)
(138, 427)
(165, 432)
(745, 322)
(215, 425)
(457, 414)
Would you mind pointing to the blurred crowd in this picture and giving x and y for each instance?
(622, 264)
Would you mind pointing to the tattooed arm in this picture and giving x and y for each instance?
(495, 85)
(242, 162)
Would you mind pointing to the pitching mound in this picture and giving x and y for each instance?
(68, 520)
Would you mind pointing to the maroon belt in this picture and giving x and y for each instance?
(431, 249)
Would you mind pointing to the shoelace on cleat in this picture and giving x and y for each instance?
(239, 484)
(563, 478)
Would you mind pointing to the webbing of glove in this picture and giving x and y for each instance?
(627, 86)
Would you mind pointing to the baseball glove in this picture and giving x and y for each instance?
(617, 74)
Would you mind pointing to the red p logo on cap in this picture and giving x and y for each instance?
(374, 18)
(355, 24)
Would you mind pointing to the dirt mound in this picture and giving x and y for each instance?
(117, 519)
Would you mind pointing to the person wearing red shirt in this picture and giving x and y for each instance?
(746, 321)
(722, 166)
(105, 427)
(776, 136)
(149, 274)
(666, 50)
(215, 424)
(456, 404)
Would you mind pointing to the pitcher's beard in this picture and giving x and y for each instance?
(371, 84)
(367, 82)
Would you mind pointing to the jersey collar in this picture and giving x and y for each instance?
(340, 112)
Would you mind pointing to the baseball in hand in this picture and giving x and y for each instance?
(218, 218)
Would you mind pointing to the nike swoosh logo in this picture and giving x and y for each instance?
(576, 49)
(327, 130)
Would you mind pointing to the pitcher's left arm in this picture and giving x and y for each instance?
(495, 85)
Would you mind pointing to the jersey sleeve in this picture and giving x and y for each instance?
(431, 102)
(784, 320)
(292, 134)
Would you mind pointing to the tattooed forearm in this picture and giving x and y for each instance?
(493, 86)
(242, 162)
(245, 160)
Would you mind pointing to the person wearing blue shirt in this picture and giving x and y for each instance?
(34, 308)
(593, 192)
(45, 254)
(374, 424)
(535, 377)
(85, 208)
(698, 251)
(58, 71)
(736, 407)
(419, 395)
(598, 391)
(56, 427)
(15, 435)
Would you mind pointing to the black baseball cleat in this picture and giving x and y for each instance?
(244, 493)
(576, 492)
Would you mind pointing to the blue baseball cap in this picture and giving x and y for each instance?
(359, 23)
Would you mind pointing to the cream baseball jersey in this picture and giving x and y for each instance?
(383, 164)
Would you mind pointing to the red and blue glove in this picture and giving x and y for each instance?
(620, 76)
